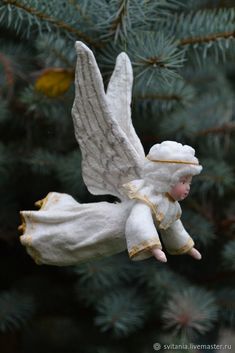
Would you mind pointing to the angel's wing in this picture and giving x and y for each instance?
(109, 158)
(118, 95)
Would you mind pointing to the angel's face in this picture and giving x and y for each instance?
(181, 190)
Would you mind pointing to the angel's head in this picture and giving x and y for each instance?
(181, 190)
(170, 166)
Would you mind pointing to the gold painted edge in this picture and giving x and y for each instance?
(184, 249)
(144, 246)
(171, 161)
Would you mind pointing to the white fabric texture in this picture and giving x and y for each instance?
(65, 232)
(141, 233)
(176, 239)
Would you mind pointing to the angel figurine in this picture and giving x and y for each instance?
(65, 232)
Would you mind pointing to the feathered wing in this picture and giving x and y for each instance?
(119, 93)
(109, 159)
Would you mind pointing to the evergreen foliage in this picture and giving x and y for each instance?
(225, 298)
(189, 312)
(16, 310)
(228, 254)
(122, 312)
(182, 54)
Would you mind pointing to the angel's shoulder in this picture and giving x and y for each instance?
(133, 186)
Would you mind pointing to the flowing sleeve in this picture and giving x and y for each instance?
(176, 239)
(141, 233)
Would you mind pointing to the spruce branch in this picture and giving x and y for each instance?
(3, 158)
(107, 272)
(162, 97)
(55, 51)
(216, 278)
(155, 58)
(118, 19)
(16, 310)
(161, 54)
(207, 111)
(228, 254)
(225, 301)
(217, 176)
(204, 210)
(227, 223)
(69, 173)
(190, 312)
(118, 23)
(42, 106)
(8, 70)
(102, 14)
(42, 16)
(205, 31)
(160, 282)
(17, 59)
(207, 38)
(121, 312)
(41, 161)
(4, 113)
(166, 98)
(222, 129)
(203, 25)
(200, 228)
(96, 278)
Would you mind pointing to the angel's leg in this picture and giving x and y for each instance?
(141, 233)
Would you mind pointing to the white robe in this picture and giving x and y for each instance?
(65, 232)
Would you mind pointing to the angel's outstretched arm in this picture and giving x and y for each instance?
(176, 239)
(141, 233)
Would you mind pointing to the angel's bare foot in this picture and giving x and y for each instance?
(195, 254)
(159, 255)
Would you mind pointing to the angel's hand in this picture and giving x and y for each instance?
(159, 254)
(195, 254)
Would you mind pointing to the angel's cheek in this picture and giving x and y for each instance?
(179, 192)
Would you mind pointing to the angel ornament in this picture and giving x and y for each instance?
(65, 232)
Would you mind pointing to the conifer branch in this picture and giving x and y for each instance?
(44, 17)
(209, 38)
(118, 21)
(160, 97)
(9, 74)
(200, 209)
(16, 310)
(228, 222)
(225, 128)
(218, 277)
(229, 304)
